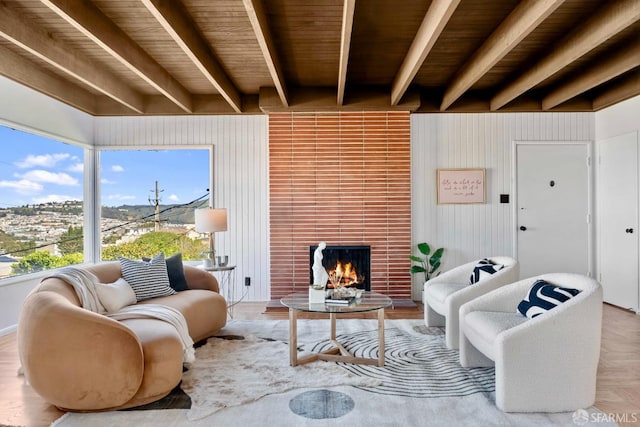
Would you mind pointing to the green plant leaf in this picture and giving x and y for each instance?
(415, 258)
(436, 256)
(435, 266)
(417, 269)
(424, 248)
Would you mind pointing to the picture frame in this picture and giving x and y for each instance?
(461, 186)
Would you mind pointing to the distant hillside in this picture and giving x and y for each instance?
(170, 213)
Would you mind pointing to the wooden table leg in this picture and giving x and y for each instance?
(381, 337)
(332, 316)
(293, 337)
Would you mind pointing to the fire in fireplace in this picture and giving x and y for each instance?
(346, 265)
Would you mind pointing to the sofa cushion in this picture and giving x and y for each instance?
(542, 297)
(175, 270)
(205, 311)
(116, 295)
(485, 268)
(148, 279)
(482, 328)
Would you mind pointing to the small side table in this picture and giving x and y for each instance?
(226, 280)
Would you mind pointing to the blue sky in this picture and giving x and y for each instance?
(35, 169)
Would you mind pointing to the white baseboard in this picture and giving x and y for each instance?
(8, 330)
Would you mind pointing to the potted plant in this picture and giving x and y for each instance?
(426, 264)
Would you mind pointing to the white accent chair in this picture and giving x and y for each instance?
(544, 364)
(444, 294)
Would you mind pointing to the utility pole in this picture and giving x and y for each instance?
(156, 203)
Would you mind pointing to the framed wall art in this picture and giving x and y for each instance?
(461, 186)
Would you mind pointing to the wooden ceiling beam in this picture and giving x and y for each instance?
(324, 99)
(22, 33)
(260, 25)
(627, 87)
(177, 23)
(605, 23)
(25, 72)
(436, 18)
(348, 11)
(471, 102)
(526, 16)
(91, 22)
(622, 61)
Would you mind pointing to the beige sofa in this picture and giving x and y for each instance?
(79, 360)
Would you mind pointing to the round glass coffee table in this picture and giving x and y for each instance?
(370, 301)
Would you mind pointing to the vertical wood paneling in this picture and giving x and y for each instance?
(437, 141)
(240, 179)
(469, 232)
(343, 178)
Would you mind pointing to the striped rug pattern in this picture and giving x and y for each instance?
(416, 365)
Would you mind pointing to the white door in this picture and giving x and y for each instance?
(618, 220)
(552, 208)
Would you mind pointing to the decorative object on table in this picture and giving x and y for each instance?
(320, 277)
(210, 220)
(461, 186)
(343, 295)
(337, 299)
(427, 264)
(222, 261)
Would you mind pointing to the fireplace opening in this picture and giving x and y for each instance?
(351, 265)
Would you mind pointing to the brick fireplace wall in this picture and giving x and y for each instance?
(342, 178)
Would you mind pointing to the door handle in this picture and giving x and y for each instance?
(629, 230)
(523, 228)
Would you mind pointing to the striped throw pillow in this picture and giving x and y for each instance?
(542, 297)
(484, 269)
(148, 279)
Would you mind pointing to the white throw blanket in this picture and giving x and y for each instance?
(84, 283)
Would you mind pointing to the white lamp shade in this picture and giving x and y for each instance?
(209, 220)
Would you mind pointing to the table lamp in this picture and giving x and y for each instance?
(210, 220)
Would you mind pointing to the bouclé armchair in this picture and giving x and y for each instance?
(444, 294)
(544, 364)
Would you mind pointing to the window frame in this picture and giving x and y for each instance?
(95, 251)
(5, 281)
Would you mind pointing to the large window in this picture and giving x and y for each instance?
(148, 202)
(41, 209)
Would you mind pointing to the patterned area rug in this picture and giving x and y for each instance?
(421, 384)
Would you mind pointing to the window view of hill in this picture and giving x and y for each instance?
(36, 237)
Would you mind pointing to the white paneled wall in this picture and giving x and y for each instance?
(438, 141)
(240, 179)
(483, 140)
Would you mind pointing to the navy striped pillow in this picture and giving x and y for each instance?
(542, 297)
(484, 269)
(148, 279)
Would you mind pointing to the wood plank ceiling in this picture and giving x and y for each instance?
(136, 57)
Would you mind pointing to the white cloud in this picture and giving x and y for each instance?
(174, 198)
(22, 186)
(78, 167)
(43, 160)
(50, 198)
(120, 197)
(59, 178)
(106, 181)
(117, 168)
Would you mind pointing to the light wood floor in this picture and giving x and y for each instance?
(618, 386)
